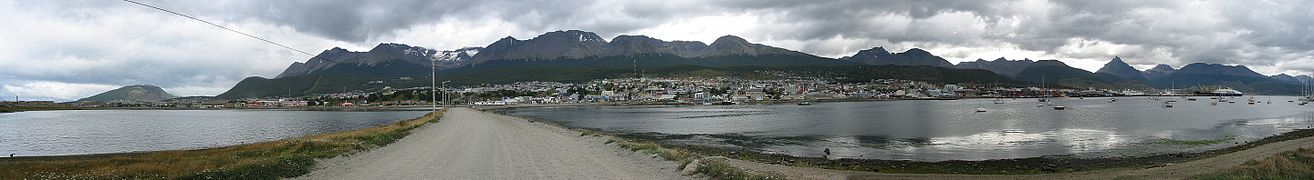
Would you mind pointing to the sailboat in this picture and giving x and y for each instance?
(1308, 92)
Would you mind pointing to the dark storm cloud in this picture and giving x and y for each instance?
(97, 42)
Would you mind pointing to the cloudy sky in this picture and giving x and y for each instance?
(69, 49)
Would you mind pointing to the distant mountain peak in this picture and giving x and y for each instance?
(917, 51)
(576, 35)
(1051, 63)
(1162, 67)
(730, 40)
(1120, 69)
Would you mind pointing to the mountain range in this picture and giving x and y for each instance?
(574, 55)
(912, 57)
(143, 93)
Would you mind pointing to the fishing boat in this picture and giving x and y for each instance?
(1060, 107)
(805, 103)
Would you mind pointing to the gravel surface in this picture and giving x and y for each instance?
(470, 144)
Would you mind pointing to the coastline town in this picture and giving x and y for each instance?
(641, 91)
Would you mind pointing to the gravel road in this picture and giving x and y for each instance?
(470, 144)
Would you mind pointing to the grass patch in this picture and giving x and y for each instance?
(265, 160)
(1298, 164)
(718, 170)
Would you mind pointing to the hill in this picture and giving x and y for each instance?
(145, 93)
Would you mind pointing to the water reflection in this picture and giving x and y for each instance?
(947, 130)
(111, 131)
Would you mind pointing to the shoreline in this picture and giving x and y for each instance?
(1045, 165)
(259, 160)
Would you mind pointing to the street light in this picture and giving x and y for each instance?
(445, 96)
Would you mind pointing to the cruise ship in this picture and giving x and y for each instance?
(1225, 92)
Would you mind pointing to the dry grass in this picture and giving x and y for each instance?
(1297, 164)
(266, 160)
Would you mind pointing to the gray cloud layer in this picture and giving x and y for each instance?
(133, 45)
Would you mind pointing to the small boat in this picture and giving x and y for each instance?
(1191, 99)
(1060, 107)
(999, 101)
(980, 109)
(805, 103)
(1112, 100)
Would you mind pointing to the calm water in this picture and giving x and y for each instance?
(950, 130)
(39, 133)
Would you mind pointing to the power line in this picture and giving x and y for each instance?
(220, 26)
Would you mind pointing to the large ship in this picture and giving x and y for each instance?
(1225, 92)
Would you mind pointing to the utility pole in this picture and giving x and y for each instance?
(433, 82)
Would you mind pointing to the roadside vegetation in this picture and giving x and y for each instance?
(265, 160)
(1298, 164)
